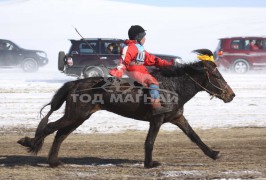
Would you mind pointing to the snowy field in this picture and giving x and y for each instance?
(23, 95)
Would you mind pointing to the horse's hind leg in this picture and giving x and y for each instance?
(183, 124)
(35, 144)
(61, 135)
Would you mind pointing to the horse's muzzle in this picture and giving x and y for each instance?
(229, 96)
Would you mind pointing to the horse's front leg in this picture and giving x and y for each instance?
(155, 125)
(183, 124)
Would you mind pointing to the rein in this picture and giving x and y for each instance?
(209, 81)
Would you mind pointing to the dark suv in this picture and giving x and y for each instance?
(93, 57)
(11, 55)
(241, 54)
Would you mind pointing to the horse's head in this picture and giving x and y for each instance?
(215, 84)
(213, 81)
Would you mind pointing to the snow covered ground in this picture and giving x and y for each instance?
(23, 95)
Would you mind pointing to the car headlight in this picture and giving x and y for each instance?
(41, 54)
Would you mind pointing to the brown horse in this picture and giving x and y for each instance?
(86, 96)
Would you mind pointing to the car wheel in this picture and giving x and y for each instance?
(30, 65)
(240, 66)
(92, 71)
(61, 60)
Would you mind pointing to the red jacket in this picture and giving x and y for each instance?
(137, 70)
(129, 56)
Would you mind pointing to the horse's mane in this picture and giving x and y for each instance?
(181, 69)
(189, 68)
(174, 78)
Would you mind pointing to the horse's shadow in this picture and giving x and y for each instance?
(12, 161)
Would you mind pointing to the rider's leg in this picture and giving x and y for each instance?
(155, 101)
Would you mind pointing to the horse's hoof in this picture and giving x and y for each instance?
(216, 155)
(152, 164)
(21, 141)
(56, 164)
(26, 141)
(156, 164)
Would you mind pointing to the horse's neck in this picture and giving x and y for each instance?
(186, 88)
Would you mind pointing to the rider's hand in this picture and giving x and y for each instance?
(176, 63)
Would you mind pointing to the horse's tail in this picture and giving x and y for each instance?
(35, 144)
(60, 96)
(58, 99)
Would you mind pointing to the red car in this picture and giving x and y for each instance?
(241, 54)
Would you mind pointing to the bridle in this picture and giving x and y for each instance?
(213, 94)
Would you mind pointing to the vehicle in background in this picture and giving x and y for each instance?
(94, 57)
(241, 54)
(11, 55)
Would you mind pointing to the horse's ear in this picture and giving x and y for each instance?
(203, 51)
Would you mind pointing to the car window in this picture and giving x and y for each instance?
(247, 44)
(9, 46)
(238, 44)
(264, 44)
(4, 45)
(85, 48)
(111, 47)
(257, 44)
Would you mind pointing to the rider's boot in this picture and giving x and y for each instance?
(157, 108)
